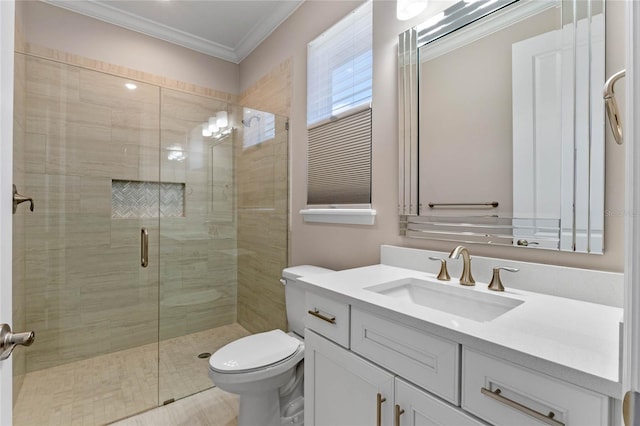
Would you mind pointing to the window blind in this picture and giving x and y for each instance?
(339, 169)
(339, 67)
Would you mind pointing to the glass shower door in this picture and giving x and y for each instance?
(90, 160)
(198, 245)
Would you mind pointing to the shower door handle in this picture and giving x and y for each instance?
(9, 340)
(144, 247)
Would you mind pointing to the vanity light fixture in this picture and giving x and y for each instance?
(213, 126)
(407, 9)
(130, 86)
(222, 119)
(217, 126)
(205, 131)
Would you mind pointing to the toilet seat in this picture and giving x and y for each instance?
(255, 352)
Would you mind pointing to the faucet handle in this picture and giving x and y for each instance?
(496, 282)
(443, 275)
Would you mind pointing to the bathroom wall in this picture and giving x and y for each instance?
(263, 208)
(340, 246)
(55, 28)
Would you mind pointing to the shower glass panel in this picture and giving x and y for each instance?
(92, 305)
(198, 261)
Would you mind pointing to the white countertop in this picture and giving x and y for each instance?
(573, 340)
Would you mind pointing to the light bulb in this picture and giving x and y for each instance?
(205, 130)
(222, 119)
(212, 124)
(407, 9)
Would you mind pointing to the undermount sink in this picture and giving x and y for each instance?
(450, 298)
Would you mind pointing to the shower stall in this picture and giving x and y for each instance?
(146, 220)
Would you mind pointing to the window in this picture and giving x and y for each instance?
(339, 67)
(339, 92)
(258, 126)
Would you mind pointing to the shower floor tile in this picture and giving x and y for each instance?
(109, 387)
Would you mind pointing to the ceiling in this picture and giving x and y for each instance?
(226, 29)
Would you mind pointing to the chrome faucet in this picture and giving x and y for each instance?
(465, 278)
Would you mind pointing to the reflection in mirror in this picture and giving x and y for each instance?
(510, 125)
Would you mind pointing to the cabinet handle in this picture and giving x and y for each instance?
(548, 419)
(316, 313)
(399, 412)
(380, 400)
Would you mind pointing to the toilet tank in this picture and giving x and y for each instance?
(294, 295)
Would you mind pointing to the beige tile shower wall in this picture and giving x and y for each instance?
(272, 92)
(19, 231)
(262, 209)
(262, 231)
(87, 293)
(198, 251)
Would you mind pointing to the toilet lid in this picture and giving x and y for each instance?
(255, 351)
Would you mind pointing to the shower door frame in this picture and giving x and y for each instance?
(7, 18)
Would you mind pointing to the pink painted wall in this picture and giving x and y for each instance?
(56, 28)
(343, 246)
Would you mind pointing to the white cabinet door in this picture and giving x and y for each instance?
(420, 408)
(341, 389)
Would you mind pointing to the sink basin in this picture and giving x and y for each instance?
(450, 298)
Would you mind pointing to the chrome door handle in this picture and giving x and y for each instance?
(9, 340)
(144, 247)
(18, 199)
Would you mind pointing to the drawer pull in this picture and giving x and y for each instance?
(380, 400)
(316, 313)
(399, 412)
(548, 419)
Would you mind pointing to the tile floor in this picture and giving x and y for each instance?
(212, 407)
(114, 386)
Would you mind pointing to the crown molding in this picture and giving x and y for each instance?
(154, 29)
(260, 32)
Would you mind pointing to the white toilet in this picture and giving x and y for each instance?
(266, 369)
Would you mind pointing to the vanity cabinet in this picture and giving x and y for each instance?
(344, 389)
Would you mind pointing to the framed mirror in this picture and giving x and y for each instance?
(502, 125)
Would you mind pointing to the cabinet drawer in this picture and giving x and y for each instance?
(424, 359)
(327, 317)
(505, 394)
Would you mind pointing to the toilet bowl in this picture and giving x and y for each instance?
(266, 369)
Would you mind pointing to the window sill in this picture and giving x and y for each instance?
(344, 216)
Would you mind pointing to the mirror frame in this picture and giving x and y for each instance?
(476, 228)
